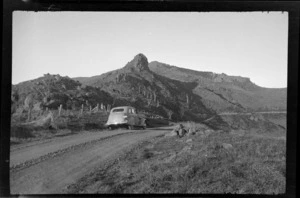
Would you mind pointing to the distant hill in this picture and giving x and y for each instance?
(221, 92)
(157, 88)
(51, 91)
(216, 92)
(135, 84)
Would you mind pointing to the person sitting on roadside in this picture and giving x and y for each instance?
(180, 131)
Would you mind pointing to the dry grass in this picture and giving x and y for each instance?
(218, 162)
(194, 127)
(66, 124)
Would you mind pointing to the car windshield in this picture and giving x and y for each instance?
(118, 110)
(132, 111)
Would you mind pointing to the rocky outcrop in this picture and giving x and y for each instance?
(51, 91)
(139, 63)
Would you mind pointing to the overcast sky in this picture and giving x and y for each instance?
(74, 44)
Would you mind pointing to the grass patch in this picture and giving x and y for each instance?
(215, 163)
(63, 125)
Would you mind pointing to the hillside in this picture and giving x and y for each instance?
(51, 91)
(171, 92)
(215, 93)
(224, 93)
(137, 85)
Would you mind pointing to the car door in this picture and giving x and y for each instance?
(140, 120)
(131, 117)
(136, 117)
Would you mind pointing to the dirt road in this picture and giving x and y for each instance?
(48, 167)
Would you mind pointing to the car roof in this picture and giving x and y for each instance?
(123, 107)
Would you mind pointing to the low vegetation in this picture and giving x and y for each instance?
(51, 125)
(209, 161)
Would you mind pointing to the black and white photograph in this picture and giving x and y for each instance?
(148, 102)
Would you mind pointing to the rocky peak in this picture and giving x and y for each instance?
(140, 63)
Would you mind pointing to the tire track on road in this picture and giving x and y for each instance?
(54, 174)
(30, 151)
(34, 161)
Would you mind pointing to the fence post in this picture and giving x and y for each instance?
(29, 114)
(90, 109)
(81, 109)
(97, 107)
(59, 109)
(51, 115)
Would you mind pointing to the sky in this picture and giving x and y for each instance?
(84, 44)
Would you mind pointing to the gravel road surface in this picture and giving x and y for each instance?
(48, 167)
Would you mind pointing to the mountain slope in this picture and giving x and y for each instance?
(135, 84)
(226, 93)
(51, 91)
(172, 92)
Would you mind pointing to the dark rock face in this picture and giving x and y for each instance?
(139, 63)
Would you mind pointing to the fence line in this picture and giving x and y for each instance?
(84, 109)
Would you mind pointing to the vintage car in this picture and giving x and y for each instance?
(125, 116)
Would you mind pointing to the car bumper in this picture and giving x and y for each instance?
(115, 123)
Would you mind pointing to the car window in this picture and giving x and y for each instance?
(118, 110)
